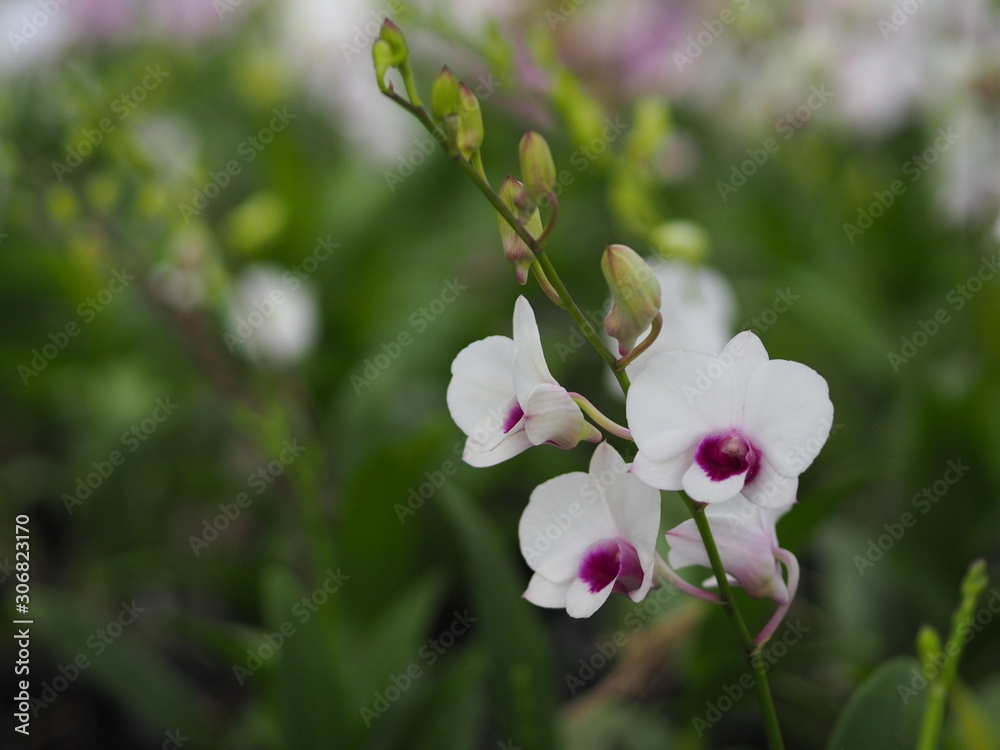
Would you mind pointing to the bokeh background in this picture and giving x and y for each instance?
(249, 523)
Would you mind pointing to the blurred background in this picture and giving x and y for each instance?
(233, 278)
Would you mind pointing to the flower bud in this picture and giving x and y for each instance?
(928, 645)
(635, 293)
(391, 35)
(382, 57)
(470, 131)
(445, 98)
(516, 198)
(537, 167)
(680, 239)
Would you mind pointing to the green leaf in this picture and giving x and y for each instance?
(520, 661)
(885, 711)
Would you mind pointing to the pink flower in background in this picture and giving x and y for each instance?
(504, 398)
(588, 535)
(717, 427)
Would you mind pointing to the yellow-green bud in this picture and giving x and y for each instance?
(470, 131)
(928, 645)
(391, 34)
(537, 167)
(680, 239)
(516, 198)
(445, 98)
(635, 294)
(382, 57)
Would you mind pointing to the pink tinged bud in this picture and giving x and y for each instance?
(516, 198)
(635, 293)
(537, 167)
(445, 97)
(470, 117)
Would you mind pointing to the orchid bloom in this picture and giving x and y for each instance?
(737, 423)
(587, 535)
(748, 547)
(505, 400)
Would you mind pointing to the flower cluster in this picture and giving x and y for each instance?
(733, 430)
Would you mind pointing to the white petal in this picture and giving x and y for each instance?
(665, 475)
(565, 516)
(529, 359)
(511, 444)
(544, 593)
(551, 416)
(769, 489)
(742, 356)
(788, 414)
(482, 386)
(580, 602)
(647, 579)
(704, 489)
(634, 505)
(678, 399)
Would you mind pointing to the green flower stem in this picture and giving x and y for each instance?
(973, 585)
(546, 285)
(411, 86)
(646, 343)
(600, 420)
(767, 710)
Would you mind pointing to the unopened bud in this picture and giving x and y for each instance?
(470, 131)
(928, 645)
(635, 294)
(445, 97)
(516, 198)
(537, 167)
(382, 57)
(680, 239)
(391, 35)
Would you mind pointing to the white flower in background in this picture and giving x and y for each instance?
(273, 316)
(748, 547)
(504, 398)
(720, 426)
(588, 535)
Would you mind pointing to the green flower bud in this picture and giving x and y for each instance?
(680, 239)
(635, 294)
(928, 645)
(445, 97)
(470, 131)
(382, 57)
(516, 198)
(537, 167)
(391, 34)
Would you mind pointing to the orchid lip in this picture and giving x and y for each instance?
(725, 455)
(513, 417)
(611, 561)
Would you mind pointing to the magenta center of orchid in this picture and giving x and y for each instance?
(513, 417)
(726, 455)
(611, 560)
